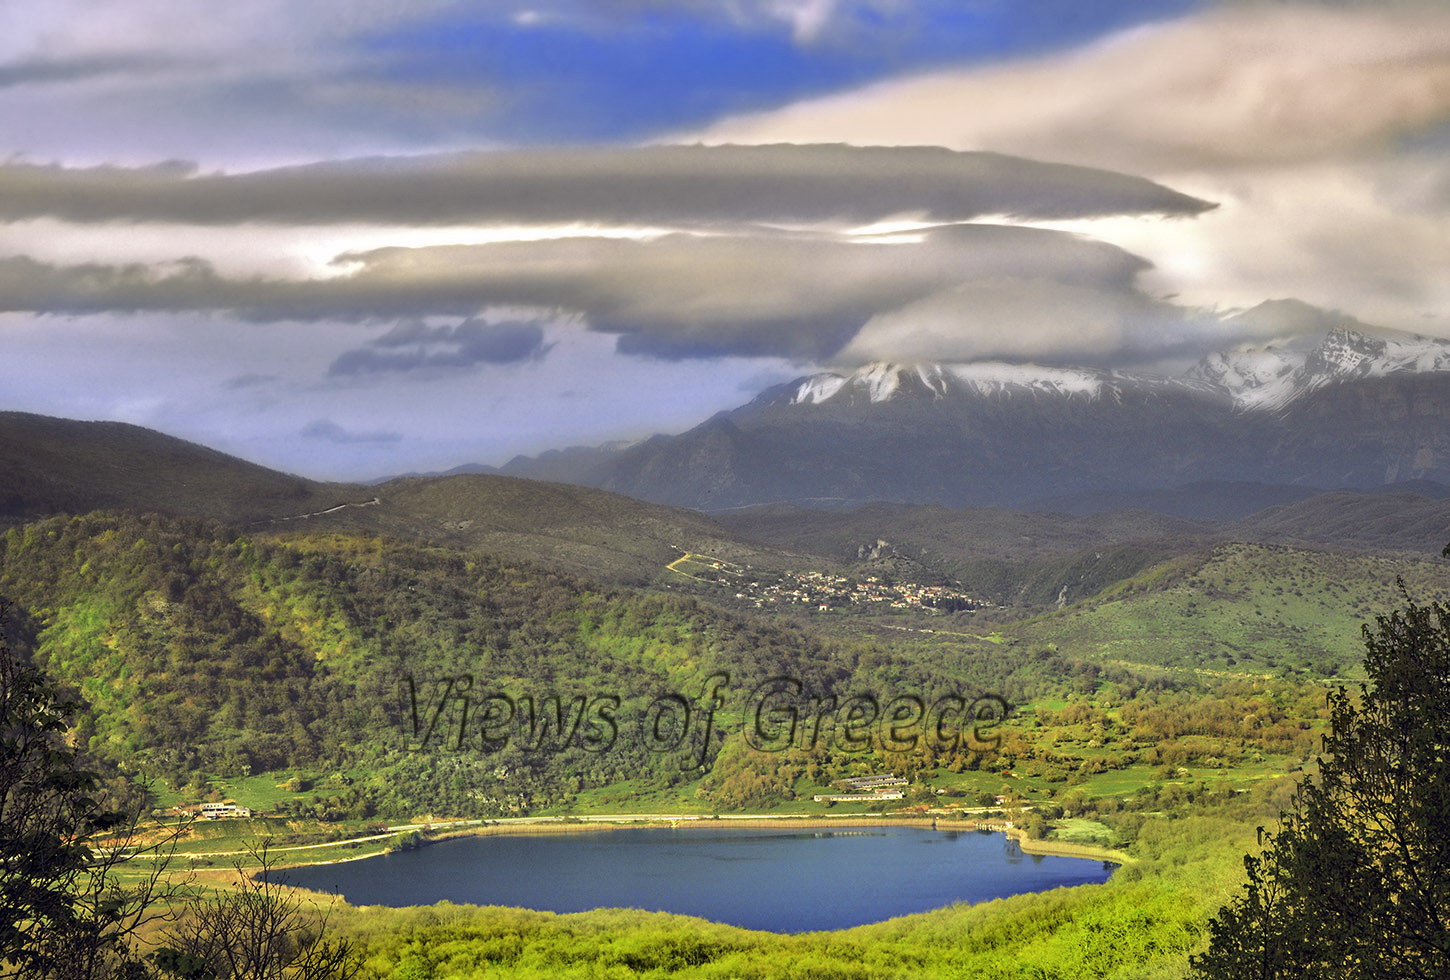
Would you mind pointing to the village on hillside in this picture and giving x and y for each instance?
(822, 591)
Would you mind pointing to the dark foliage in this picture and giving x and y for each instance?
(1356, 882)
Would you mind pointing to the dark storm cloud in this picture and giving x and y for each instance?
(663, 184)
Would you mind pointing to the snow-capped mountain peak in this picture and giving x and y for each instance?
(1348, 353)
(996, 377)
(1267, 378)
(879, 382)
(882, 382)
(1263, 377)
(1254, 377)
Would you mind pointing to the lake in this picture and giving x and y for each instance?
(787, 880)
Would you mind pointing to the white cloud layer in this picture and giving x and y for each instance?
(683, 251)
(1320, 131)
(694, 185)
(797, 296)
(1242, 85)
(1369, 237)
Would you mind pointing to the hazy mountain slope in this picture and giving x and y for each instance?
(1002, 449)
(993, 449)
(1372, 522)
(1206, 500)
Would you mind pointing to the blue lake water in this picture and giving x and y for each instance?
(782, 880)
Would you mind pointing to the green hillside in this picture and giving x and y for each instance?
(202, 651)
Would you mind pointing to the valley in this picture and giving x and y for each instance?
(376, 668)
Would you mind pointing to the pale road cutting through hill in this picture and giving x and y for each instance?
(331, 510)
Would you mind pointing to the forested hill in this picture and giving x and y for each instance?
(200, 649)
(55, 466)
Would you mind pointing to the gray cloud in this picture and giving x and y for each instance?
(251, 380)
(329, 431)
(802, 297)
(36, 71)
(662, 184)
(415, 346)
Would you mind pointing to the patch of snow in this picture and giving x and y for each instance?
(993, 377)
(881, 380)
(934, 376)
(817, 389)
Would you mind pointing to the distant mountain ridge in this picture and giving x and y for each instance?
(1358, 409)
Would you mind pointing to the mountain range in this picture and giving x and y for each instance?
(1356, 409)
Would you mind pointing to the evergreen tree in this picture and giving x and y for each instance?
(1356, 881)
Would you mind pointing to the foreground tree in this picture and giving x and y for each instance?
(1356, 881)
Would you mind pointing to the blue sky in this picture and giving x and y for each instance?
(354, 238)
(576, 76)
